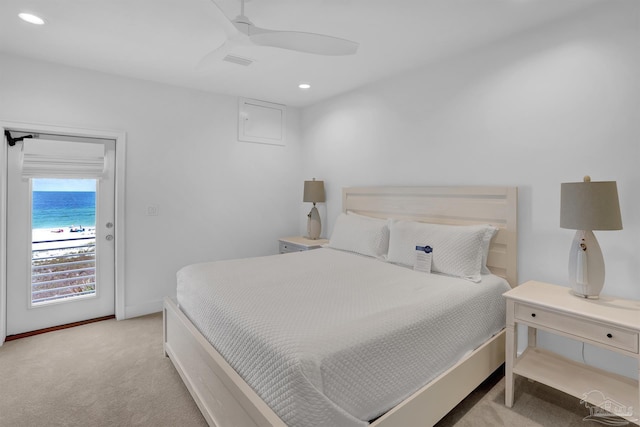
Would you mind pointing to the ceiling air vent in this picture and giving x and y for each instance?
(238, 60)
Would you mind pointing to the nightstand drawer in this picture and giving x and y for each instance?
(581, 328)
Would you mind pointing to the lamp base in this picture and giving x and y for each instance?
(586, 265)
(314, 227)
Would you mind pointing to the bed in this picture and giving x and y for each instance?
(225, 399)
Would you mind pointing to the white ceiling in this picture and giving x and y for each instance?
(164, 40)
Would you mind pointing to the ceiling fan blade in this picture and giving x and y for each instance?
(318, 44)
(227, 26)
(241, 31)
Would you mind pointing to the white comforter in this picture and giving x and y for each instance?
(329, 338)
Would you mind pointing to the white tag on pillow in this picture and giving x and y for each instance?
(423, 259)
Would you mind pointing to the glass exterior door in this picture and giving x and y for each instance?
(61, 251)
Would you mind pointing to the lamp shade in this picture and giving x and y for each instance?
(313, 191)
(590, 205)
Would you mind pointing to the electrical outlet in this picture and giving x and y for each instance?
(153, 210)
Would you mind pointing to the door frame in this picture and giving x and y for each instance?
(119, 172)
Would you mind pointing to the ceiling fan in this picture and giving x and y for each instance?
(241, 32)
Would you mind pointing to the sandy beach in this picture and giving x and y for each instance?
(61, 238)
(61, 233)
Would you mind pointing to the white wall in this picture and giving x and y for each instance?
(539, 109)
(218, 198)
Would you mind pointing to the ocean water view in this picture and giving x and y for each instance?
(63, 250)
(63, 209)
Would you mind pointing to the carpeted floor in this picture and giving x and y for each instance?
(535, 405)
(107, 373)
(114, 373)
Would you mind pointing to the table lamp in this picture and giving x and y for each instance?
(587, 206)
(314, 193)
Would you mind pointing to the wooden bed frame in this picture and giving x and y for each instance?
(225, 400)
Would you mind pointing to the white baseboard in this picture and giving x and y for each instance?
(142, 309)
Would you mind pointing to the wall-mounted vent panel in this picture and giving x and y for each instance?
(261, 121)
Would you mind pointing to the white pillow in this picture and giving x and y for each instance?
(491, 231)
(457, 250)
(360, 234)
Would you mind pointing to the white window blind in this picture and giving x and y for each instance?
(43, 158)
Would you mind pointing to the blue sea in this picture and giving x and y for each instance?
(61, 209)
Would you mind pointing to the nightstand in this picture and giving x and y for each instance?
(298, 244)
(608, 322)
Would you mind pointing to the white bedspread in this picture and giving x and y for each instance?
(329, 338)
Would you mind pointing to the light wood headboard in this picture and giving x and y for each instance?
(449, 205)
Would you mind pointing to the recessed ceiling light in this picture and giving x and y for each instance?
(30, 18)
(304, 86)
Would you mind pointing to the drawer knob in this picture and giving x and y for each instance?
(533, 315)
(609, 335)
